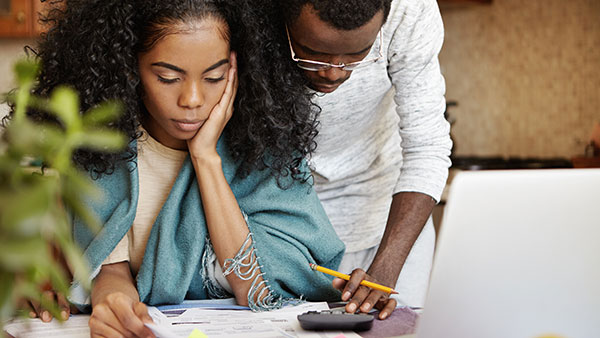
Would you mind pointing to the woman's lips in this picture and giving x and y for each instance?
(188, 126)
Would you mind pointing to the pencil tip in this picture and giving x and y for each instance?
(312, 265)
(394, 292)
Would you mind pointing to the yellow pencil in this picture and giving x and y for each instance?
(347, 277)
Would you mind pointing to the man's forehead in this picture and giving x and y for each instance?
(310, 32)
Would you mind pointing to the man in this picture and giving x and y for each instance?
(383, 146)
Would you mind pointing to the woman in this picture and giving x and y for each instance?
(211, 198)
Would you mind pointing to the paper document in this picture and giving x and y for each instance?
(244, 323)
(75, 327)
(206, 321)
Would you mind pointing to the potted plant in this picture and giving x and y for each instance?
(36, 201)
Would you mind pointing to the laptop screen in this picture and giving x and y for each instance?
(518, 256)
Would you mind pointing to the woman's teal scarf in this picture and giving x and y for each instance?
(289, 230)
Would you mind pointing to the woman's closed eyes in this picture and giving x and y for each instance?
(170, 80)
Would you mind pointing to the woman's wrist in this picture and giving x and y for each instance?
(206, 161)
(113, 278)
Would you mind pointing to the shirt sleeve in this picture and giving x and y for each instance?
(120, 252)
(415, 72)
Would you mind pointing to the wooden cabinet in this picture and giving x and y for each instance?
(20, 18)
(464, 1)
(451, 4)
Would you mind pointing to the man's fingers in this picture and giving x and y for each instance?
(338, 283)
(388, 307)
(353, 284)
(372, 299)
(357, 299)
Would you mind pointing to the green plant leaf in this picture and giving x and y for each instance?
(103, 113)
(26, 71)
(64, 102)
(78, 265)
(33, 219)
(58, 278)
(78, 183)
(102, 140)
(6, 296)
(17, 254)
(26, 207)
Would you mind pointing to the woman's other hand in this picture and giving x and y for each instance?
(117, 311)
(120, 316)
(37, 310)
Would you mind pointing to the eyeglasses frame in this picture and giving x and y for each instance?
(327, 65)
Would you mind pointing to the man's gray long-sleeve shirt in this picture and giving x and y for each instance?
(383, 131)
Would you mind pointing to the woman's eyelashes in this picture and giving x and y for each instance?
(215, 79)
(176, 79)
(167, 79)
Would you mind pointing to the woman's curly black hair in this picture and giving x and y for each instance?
(92, 46)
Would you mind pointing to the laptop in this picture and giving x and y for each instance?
(518, 255)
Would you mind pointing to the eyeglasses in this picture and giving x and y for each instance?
(316, 66)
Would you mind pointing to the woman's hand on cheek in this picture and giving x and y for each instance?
(119, 316)
(204, 143)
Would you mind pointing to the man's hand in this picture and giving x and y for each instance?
(363, 298)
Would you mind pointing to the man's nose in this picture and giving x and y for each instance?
(191, 96)
(333, 74)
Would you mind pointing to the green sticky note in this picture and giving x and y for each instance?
(197, 334)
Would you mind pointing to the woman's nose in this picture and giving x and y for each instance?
(191, 96)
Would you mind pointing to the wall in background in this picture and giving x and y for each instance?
(526, 75)
(10, 51)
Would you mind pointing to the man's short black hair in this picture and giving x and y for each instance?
(341, 14)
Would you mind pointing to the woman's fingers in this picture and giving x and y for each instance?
(63, 305)
(101, 330)
(37, 310)
(224, 108)
(27, 308)
(42, 313)
(103, 315)
(101, 325)
(233, 79)
(130, 316)
(141, 311)
(207, 137)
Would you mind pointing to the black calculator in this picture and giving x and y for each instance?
(336, 319)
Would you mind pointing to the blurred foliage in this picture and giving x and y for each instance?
(36, 245)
